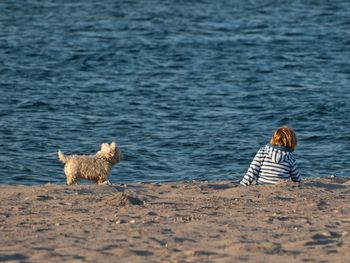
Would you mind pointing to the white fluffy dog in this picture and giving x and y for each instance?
(92, 167)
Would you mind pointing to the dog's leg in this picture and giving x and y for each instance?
(107, 182)
(70, 180)
(103, 181)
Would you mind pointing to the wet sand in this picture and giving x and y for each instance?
(176, 222)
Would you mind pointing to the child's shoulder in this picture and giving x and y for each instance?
(262, 150)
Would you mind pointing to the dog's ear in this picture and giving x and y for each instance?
(113, 145)
(104, 146)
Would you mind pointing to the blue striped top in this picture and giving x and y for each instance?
(270, 165)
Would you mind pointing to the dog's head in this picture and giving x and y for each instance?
(110, 152)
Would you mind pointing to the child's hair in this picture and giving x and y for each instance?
(285, 137)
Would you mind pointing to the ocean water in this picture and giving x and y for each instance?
(189, 89)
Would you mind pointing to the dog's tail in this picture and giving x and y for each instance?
(62, 157)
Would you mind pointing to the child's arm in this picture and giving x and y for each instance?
(294, 173)
(253, 170)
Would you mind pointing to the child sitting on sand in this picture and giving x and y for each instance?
(275, 161)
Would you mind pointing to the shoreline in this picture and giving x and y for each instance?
(195, 221)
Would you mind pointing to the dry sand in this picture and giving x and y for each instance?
(176, 222)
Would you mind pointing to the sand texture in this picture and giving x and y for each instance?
(176, 222)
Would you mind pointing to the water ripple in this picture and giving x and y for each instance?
(189, 90)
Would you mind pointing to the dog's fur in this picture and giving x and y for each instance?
(92, 167)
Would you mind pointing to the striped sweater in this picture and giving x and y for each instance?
(270, 165)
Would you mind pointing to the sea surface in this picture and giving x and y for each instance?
(189, 89)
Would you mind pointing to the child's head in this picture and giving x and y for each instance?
(284, 137)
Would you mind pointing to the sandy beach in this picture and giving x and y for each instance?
(176, 222)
